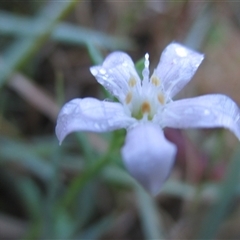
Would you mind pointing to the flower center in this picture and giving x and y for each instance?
(145, 99)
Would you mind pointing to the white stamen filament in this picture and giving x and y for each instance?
(145, 71)
(145, 100)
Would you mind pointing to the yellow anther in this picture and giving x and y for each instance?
(161, 98)
(128, 98)
(146, 108)
(155, 81)
(132, 82)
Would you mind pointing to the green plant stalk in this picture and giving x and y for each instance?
(149, 214)
(24, 48)
(51, 198)
(87, 149)
(91, 171)
(80, 181)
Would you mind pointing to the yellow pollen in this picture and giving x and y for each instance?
(132, 82)
(146, 108)
(161, 98)
(155, 81)
(128, 98)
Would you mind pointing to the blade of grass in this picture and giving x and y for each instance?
(227, 192)
(64, 32)
(24, 48)
(86, 147)
(98, 229)
(149, 214)
(85, 205)
(94, 54)
(91, 171)
(200, 28)
(178, 189)
(78, 35)
(12, 151)
(64, 226)
(115, 175)
(53, 187)
(80, 181)
(31, 196)
(186, 191)
(147, 207)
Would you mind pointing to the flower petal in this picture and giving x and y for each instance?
(208, 111)
(90, 114)
(114, 74)
(177, 66)
(148, 156)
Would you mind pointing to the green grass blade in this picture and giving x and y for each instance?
(31, 196)
(24, 48)
(94, 54)
(86, 205)
(86, 147)
(80, 181)
(12, 151)
(98, 229)
(117, 176)
(12, 25)
(200, 28)
(149, 214)
(219, 210)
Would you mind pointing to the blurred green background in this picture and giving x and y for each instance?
(80, 190)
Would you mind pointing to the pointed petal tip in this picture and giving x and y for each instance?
(177, 66)
(59, 134)
(148, 156)
(90, 114)
(207, 111)
(60, 143)
(93, 70)
(114, 73)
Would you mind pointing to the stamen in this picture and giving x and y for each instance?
(128, 98)
(145, 71)
(132, 82)
(146, 108)
(155, 81)
(146, 62)
(161, 98)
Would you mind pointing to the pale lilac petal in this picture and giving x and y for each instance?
(148, 156)
(115, 73)
(90, 114)
(208, 111)
(177, 66)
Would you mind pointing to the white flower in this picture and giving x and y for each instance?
(145, 107)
